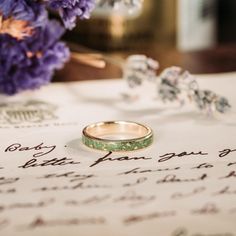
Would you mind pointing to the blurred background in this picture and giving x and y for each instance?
(198, 35)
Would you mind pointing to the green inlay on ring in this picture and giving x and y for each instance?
(118, 145)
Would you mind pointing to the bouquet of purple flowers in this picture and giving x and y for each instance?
(30, 46)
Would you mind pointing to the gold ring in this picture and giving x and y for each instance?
(117, 136)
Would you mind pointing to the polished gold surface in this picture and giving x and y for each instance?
(116, 130)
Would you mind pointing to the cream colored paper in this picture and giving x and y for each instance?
(50, 184)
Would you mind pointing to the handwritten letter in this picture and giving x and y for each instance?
(50, 184)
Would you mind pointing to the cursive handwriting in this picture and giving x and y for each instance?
(88, 201)
(132, 198)
(4, 180)
(208, 208)
(175, 179)
(40, 222)
(136, 182)
(71, 175)
(203, 165)
(135, 199)
(195, 191)
(138, 170)
(41, 149)
(108, 157)
(185, 232)
(226, 152)
(231, 164)
(149, 216)
(134, 190)
(231, 174)
(80, 185)
(168, 156)
(225, 191)
(8, 191)
(52, 162)
(26, 205)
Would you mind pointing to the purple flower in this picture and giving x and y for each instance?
(69, 10)
(30, 63)
(30, 50)
(27, 10)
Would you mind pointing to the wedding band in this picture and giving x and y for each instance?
(117, 136)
